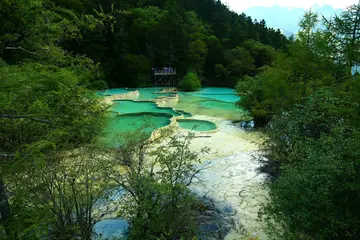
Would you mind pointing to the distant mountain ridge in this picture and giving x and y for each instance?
(287, 19)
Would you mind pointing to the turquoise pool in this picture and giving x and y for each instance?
(120, 126)
(111, 229)
(215, 102)
(209, 106)
(145, 93)
(220, 94)
(128, 106)
(197, 125)
(148, 93)
(114, 91)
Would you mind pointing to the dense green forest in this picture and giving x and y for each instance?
(128, 38)
(53, 54)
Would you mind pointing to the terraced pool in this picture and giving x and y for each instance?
(120, 126)
(208, 107)
(214, 102)
(221, 94)
(197, 125)
(126, 107)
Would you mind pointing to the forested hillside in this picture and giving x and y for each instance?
(125, 39)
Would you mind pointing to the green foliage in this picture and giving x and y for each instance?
(196, 29)
(48, 102)
(46, 109)
(316, 145)
(342, 32)
(57, 199)
(197, 55)
(264, 55)
(214, 57)
(307, 26)
(190, 82)
(32, 28)
(139, 67)
(311, 101)
(245, 60)
(240, 61)
(147, 18)
(288, 81)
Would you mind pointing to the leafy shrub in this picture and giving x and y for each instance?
(190, 82)
(157, 200)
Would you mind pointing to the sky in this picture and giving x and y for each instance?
(242, 5)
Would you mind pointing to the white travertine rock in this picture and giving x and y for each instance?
(123, 96)
(231, 176)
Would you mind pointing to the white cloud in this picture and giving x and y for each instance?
(242, 5)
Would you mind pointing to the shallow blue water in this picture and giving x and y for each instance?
(121, 127)
(196, 125)
(111, 228)
(114, 91)
(221, 94)
(145, 93)
(149, 93)
(126, 107)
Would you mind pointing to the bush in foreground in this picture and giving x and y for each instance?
(316, 145)
(157, 200)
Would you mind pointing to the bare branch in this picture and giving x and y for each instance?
(26, 117)
(20, 48)
(194, 175)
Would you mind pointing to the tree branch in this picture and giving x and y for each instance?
(26, 117)
(20, 48)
